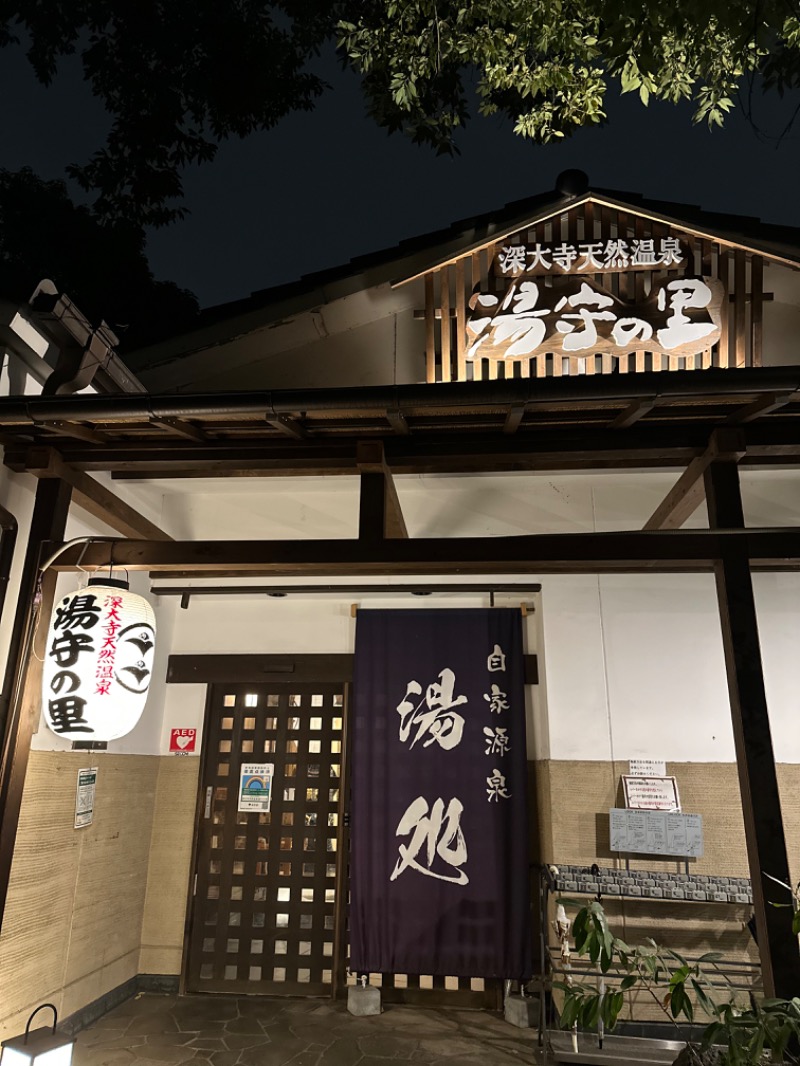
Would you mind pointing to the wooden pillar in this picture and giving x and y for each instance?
(758, 781)
(372, 507)
(380, 515)
(23, 679)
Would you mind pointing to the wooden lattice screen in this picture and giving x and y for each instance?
(449, 287)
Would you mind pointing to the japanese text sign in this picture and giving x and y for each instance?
(439, 876)
(651, 793)
(255, 786)
(656, 833)
(591, 257)
(98, 662)
(578, 317)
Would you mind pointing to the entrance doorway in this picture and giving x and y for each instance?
(264, 908)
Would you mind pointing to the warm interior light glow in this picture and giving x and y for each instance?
(98, 662)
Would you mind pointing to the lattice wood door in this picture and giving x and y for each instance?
(263, 916)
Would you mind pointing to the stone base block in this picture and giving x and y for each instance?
(363, 1001)
(522, 1011)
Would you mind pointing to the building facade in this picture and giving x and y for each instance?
(584, 406)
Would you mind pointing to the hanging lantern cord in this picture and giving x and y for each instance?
(51, 1006)
(76, 540)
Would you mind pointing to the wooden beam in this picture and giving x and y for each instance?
(77, 430)
(179, 427)
(96, 499)
(397, 420)
(23, 678)
(546, 446)
(764, 405)
(571, 553)
(513, 419)
(380, 514)
(755, 757)
(687, 493)
(289, 427)
(633, 412)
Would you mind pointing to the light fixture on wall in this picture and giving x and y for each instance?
(42, 1047)
(98, 661)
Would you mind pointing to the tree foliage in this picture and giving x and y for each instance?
(178, 76)
(102, 268)
(548, 64)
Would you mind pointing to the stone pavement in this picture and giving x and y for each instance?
(162, 1030)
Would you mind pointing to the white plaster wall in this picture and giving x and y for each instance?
(781, 316)
(297, 625)
(630, 665)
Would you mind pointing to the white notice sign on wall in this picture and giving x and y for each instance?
(651, 793)
(647, 768)
(656, 833)
(255, 786)
(84, 797)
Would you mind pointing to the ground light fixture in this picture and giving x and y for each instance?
(42, 1047)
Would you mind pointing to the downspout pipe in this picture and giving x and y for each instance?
(8, 542)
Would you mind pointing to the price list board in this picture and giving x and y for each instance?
(656, 833)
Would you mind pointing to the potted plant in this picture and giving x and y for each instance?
(734, 1035)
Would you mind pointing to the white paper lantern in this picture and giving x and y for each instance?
(98, 662)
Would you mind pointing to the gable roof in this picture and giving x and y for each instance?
(415, 256)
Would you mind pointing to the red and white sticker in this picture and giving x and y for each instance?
(182, 740)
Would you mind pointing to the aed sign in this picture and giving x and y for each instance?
(182, 741)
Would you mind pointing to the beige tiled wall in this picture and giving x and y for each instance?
(573, 799)
(170, 856)
(73, 920)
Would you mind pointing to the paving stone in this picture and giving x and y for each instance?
(108, 1038)
(192, 1011)
(106, 1057)
(224, 1058)
(311, 1029)
(255, 1007)
(271, 1031)
(239, 1041)
(166, 1052)
(387, 1046)
(172, 1037)
(281, 1047)
(118, 1018)
(344, 1051)
(309, 1057)
(449, 1048)
(160, 1022)
(246, 1026)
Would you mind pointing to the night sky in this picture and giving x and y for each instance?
(326, 186)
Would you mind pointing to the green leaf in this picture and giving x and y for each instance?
(677, 999)
(628, 982)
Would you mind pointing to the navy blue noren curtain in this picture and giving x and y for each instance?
(439, 835)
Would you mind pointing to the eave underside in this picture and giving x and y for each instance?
(639, 421)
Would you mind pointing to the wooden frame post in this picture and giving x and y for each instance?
(24, 671)
(380, 514)
(755, 757)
